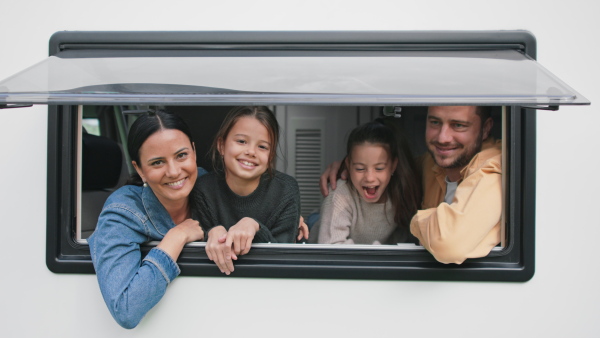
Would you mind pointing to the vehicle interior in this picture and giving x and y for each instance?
(312, 137)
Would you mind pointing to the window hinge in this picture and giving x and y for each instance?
(8, 106)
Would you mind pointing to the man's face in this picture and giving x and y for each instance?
(454, 134)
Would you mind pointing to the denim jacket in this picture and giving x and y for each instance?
(131, 284)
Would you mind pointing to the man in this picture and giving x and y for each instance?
(462, 185)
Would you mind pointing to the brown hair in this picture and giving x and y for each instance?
(484, 112)
(404, 189)
(261, 113)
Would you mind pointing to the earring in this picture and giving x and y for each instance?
(145, 185)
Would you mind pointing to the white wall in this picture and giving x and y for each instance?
(562, 299)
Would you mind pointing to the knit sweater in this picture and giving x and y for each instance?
(274, 205)
(347, 219)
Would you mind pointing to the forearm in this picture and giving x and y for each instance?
(173, 243)
(336, 218)
(284, 231)
(130, 284)
(335, 228)
(130, 296)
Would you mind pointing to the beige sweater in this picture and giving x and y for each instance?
(347, 219)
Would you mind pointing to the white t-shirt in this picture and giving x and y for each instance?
(450, 190)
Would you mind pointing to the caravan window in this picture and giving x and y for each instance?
(320, 85)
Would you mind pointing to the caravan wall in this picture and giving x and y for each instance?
(562, 299)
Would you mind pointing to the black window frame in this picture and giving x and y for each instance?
(515, 262)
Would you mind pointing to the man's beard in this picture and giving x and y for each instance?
(464, 158)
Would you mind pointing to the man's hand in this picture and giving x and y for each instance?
(329, 176)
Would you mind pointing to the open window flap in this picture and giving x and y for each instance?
(485, 77)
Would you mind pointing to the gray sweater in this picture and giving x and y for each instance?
(275, 205)
(347, 219)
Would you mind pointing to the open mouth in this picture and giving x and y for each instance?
(370, 192)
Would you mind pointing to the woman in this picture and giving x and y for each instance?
(154, 205)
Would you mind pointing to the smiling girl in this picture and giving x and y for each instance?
(375, 206)
(245, 200)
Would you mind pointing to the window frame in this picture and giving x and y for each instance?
(513, 263)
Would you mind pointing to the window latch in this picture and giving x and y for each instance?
(553, 108)
(392, 111)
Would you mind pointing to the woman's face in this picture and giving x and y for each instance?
(168, 165)
(370, 169)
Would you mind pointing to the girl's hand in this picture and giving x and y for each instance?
(302, 230)
(240, 236)
(218, 251)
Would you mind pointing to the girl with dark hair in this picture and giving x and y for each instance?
(153, 206)
(245, 200)
(376, 205)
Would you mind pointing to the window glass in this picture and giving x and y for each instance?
(91, 126)
(311, 138)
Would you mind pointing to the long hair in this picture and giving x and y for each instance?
(144, 127)
(261, 113)
(404, 189)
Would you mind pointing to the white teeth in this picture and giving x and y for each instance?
(247, 163)
(176, 183)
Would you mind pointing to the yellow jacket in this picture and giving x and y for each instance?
(470, 226)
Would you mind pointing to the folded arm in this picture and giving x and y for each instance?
(130, 285)
(470, 226)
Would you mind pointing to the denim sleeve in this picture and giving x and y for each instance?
(130, 286)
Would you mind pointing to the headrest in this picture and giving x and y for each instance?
(101, 162)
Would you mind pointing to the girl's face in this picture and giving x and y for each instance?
(370, 170)
(168, 165)
(245, 152)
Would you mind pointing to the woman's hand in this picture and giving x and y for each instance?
(180, 235)
(240, 236)
(218, 250)
(191, 230)
(302, 230)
